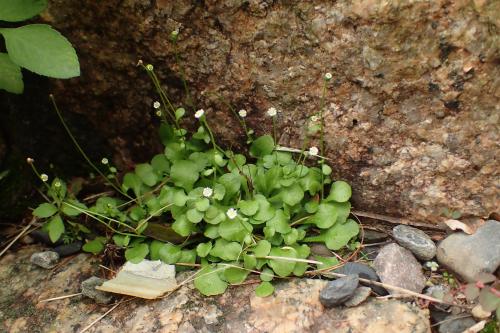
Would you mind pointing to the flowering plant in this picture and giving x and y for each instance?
(234, 214)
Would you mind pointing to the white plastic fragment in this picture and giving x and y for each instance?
(147, 279)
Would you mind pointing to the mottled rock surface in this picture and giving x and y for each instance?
(359, 296)
(89, 290)
(397, 266)
(45, 259)
(456, 324)
(415, 240)
(411, 112)
(468, 255)
(295, 306)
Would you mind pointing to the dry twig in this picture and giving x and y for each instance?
(33, 220)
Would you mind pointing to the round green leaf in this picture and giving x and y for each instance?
(267, 275)
(20, 10)
(160, 163)
(146, 173)
(184, 173)
(262, 248)
(326, 215)
(45, 210)
(264, 289)
(202, 204)
(42, 50)
(340, 191)
(137, 253)
(280, 222)
(194, 215)
(94, 246)
(282, 267)
(11, 78)
(183, 227)
(235, 275)
(55, 226)
(249, 262)
(234, 230)
(208, 281)
(264, 145)
(225, 250)
(154, 249)
(292, 195)
(326, 169)
(248, 207)
(179, 113)
(203, 249)
(169, 253)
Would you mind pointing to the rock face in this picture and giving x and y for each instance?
(415, 240)
(294, 307)
(89, 290)
(468, 255)
(410, 112)
(396, 266)
(45, 259)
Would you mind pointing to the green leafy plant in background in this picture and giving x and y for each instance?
(486, 292)
(197, 204)
(36, 47)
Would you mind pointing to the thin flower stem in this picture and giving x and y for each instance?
(322, 135)
(151, 216)
(183, 77)
(82, 152)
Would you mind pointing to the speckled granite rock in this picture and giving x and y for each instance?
(411, 111)
(294, 307)
(415, 240)
(468, 255)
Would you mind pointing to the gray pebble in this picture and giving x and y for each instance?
(88, 289)
(338, 291)
(456, 324)
(46, 259)
(68, 249)
(364, 272)
(415, 240)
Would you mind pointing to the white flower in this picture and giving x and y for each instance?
(44, 177)
(156, 105)
(232, 213)
(29, 160)
(271, 112)
(432, 265)
(149, 67)
(199, 113)
(314, 118)
(313, 151)
(207, 192)
(242, 113)
(328, 76)
(158, 113)
(174, 33)
(104, 161)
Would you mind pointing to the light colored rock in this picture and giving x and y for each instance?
(415, 240)
(360, 295)
(468, 255)
(294, 307)
(479, 313)
(45, 259)
(397, 266)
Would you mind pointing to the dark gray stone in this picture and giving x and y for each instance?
(397, 266)
(88, 290)
(415, 240)
(46, 259)
(338, 291)
(68, 249)
(468, 255)
(360, 295)
(372, 236)
(363, 271)
(456, 324)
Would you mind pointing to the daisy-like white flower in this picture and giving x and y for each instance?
(432, 265)
(44, 177)
(242, 113)
(313, 151)
(199, 113)
(328, 76)
(29, 160)
(149, 67)
(232, 213)
(207, 192)
(158, 113)
(314, 118)
(156, 105)
(104, 161)
(271, 112)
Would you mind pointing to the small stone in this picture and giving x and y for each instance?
(46, 259)
(338, 291)
(364, 272)
(321, 250)
(479, 313)
(415, 240)
(68, 249)
(468, 255)
(397, 266)
(456, 324)
(360, 295)
(88, 289)
(372, 236)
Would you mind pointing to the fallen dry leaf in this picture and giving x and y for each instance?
(457, 225)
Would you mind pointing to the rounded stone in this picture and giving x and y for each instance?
(46, 259)
(415, 240)
(89, 290)
(338, 291)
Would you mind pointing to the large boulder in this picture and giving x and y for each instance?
(411, 111)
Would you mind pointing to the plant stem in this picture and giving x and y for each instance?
(322, 136)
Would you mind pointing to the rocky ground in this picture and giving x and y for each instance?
(31, 275)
